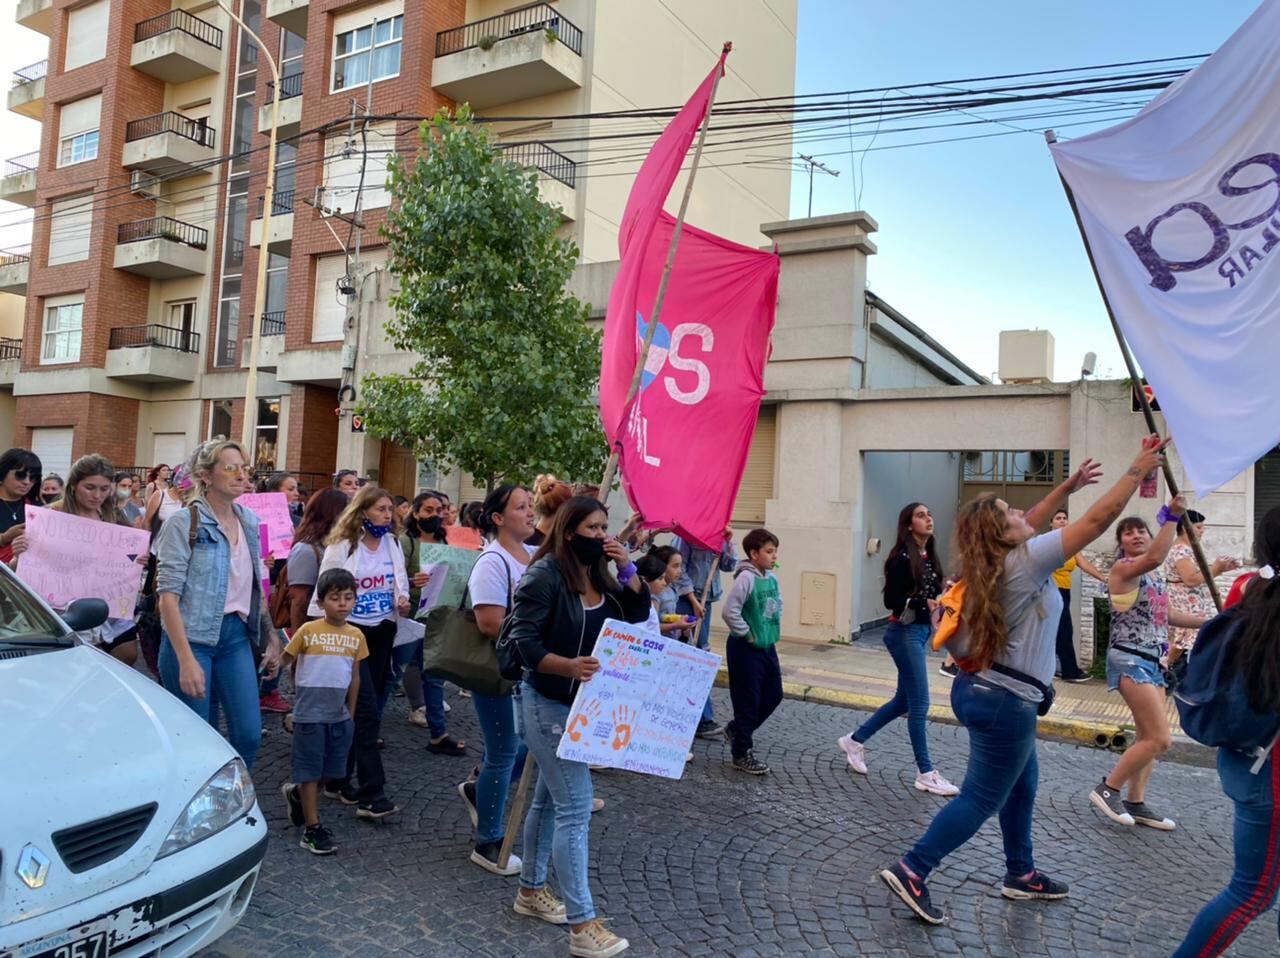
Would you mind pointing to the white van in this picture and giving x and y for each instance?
(128, 826)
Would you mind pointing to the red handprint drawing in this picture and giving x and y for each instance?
(622, 717)
(580, 721)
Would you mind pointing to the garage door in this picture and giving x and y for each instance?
(170, 448)
(53, 446)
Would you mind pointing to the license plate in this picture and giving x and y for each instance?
(85, 941)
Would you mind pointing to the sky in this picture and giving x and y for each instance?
(975, 237)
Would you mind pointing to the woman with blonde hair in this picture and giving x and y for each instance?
(549, 494)
(363, 542)
(1005, 648)
(212, 607)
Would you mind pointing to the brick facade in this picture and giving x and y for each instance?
(312, 443)
(106, 425)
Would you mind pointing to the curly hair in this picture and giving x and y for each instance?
(981, 543)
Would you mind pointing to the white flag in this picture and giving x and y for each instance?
(1181, 208)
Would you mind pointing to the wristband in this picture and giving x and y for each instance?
(626, 572)
(1165, 516)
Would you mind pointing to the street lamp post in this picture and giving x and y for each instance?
(264, 255)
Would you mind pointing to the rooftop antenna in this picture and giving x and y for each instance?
(815, 165)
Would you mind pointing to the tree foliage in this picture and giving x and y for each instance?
(507, 365)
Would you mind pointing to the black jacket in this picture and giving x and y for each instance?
(901, 591)
(546, 617)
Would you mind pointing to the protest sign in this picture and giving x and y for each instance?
(272, 508)
(71, 558)
(408, 630)
(462, 537)
(448, 569)
(640, 711)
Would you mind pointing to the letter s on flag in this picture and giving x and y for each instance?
(708, 338)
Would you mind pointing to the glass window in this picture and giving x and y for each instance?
(79, 148)
(237, 224)
(228, 327)
(243, 129)
(62, 326)
(277, 283)
(21, 616)
(266, 434)
(371, 49)
(219, 418)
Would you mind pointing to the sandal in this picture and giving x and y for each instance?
(447, 746)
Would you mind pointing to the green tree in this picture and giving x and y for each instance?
(506, 362)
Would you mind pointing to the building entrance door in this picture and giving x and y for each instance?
(398, 469)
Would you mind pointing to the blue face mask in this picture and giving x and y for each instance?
(376, 531)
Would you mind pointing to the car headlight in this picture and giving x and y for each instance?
(225, 798)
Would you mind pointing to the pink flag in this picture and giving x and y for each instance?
(683, 441)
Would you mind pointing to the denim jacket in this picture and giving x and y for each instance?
(198, 576)
(697, 566)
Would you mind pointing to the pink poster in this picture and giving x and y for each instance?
(272, 508)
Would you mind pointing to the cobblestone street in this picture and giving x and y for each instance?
(724, 864)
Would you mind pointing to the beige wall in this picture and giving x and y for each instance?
(11, 312)
(8, 416)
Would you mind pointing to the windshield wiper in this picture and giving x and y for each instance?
(35, 640)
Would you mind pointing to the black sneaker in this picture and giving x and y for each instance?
(377, 809)
(751, 765)
(341, 793)
(487, 855)
(468, 792)
(1108, 801)
(1144, 814)
(317, 840)
(913, 892)
(1038, 886)
(950, 671)
(709, 729)
(294, 801)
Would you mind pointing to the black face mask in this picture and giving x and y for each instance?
(429, 527)
(587, 550)
(48, 500)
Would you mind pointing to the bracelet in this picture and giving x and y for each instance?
(626, 572)
(1165, 516)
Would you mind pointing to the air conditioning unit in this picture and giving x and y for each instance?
(1026, 356)
(144, 184)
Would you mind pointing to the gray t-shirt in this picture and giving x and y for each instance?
(1032, 606)
(304, 564)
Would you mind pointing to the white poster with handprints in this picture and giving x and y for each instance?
(640, 711)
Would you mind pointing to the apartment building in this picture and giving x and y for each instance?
(148, 193)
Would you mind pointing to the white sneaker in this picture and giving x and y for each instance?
(594, 940)
(447, 707)
(856, 753)
(541, 904)
(934, 783)
(418, 717)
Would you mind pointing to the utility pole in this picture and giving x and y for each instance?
(815, 165)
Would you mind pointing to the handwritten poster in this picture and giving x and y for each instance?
(448, 569)
(71, 558)
(640, 711)
(272, 508)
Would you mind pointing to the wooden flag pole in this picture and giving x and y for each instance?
(1194, 540)
(517, 803)
(612, 467)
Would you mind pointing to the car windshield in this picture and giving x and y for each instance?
(23, 617)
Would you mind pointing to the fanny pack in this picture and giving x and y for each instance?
(1047, 691)
(1127, 650)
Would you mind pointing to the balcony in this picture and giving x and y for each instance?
(176, 47)
(557, 174)
(162, 248)
(169, 144)
(27, 95)
(19, 183)
(290, 15)
(153, 354)
(270, 346)
(15, 267)
(281, 238)
(290, 124)
(35, 15)
(10, 360)
(530, 52)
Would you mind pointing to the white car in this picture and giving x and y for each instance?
(128, 826)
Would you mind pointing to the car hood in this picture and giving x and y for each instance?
(85, 738)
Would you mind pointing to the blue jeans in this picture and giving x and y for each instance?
(685, 607)
(1253, 885)
(906, 644)
(1001, 777)
(559, 821)
(229, 674)
(497, 715)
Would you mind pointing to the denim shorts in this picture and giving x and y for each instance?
(320, 750)
(1140, 670)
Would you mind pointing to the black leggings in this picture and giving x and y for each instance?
(365, 759)
(1066, 647)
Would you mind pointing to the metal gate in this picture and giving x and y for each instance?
(1020, 478)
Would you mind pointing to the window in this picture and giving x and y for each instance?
(182, 315)
(351, 175)
(369, 51)
(78, 130)
(1266, 485)
(63, 319)
(52, 444)
(330, 311)
(266, 434)
(757, 479)
(86, 34)
(69, 227)
(219, 418)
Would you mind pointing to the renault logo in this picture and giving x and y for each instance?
(33, 867)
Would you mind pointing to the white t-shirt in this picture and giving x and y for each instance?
(240, 577)
(375, 584)
(491, 581)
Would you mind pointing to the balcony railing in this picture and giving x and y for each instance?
(485, 33)
(181, 21)
(273, 323)
(539, 156)
(163, 227)
(14, 257)
(195, 130)
(26, 163)
(10, 348)
(37, 71)
(153, 334)
(281, 203)
(290, 87)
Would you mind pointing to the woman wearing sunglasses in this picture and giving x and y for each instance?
(19, 474)
(211, 602)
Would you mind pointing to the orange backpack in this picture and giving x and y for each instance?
(949, 605)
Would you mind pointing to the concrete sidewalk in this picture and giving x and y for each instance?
(861, 675)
